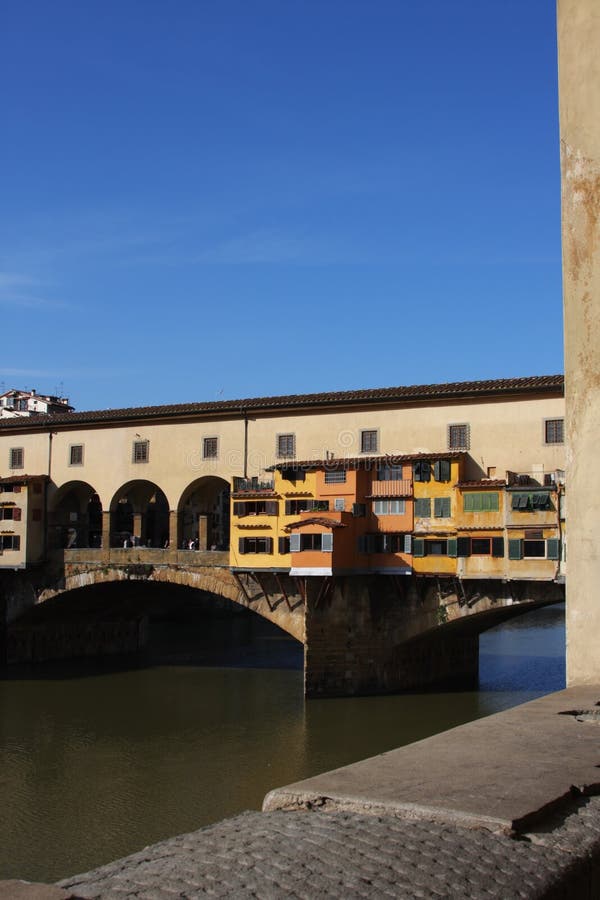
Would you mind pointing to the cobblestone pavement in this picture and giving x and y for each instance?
(345, 855)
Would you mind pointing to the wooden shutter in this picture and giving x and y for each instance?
(452, 547)
(358, 509)
(408, 543)
(271, 507)
(497, 546)
(238, 509)
(418, 546)
(295, 543)
(441, 470)
(463, 546)
(16, 514)
(327, 543)
(552, 548)
(242, 545)
(283, 544)
(269, 544)
(515, 548)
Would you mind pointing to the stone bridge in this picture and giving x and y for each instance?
(361, 634)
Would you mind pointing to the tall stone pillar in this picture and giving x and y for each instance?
(203, 532)
(173, 529)
(105, 529)
(138, 525)
(579, 95)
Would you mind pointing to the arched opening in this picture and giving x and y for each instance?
(139, 516)
(75, 517)
(203, 514)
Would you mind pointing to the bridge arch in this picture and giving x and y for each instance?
(218, 581)
(203, 513)
(139, 514)
(74, 516)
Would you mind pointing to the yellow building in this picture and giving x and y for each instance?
(22, 520)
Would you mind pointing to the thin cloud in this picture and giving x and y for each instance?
(17, 289)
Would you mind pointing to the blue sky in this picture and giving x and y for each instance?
(210, 199)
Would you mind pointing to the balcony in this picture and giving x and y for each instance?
(401, 488)
(252, 486)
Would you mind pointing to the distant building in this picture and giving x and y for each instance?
(15, 403)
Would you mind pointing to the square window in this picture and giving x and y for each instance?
(368, 441)
(140, 452)
(286, 446)
(337, 476)
(459, 437)
(554, 431)
(210, 448)
(16, 459)
(76, 455)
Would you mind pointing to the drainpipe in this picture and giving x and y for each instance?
(245, 415)
(46, 486)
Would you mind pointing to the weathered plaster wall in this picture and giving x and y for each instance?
(579, 90)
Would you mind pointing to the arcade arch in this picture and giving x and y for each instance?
(75, 516)
(139, 515)
(203, 514)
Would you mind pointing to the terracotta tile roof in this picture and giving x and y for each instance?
(23, 479)
(363, 462)
(419, 393)
(482, 483)
(316, 520)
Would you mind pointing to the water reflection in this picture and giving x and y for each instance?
(97, 761)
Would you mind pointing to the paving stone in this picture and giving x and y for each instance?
(341, 855)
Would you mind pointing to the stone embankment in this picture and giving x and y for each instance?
(505, 807)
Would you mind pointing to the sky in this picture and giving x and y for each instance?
(213, 199)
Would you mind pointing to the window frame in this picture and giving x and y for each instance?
(141, 458)
(209, 442)
(340, 476)
(454, 444)
(281, 452)
(554, 422)
(16, 461)
(370, 438)
(386, 504)
(73, 447)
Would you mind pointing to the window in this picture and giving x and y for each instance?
(76, 455)
(336, 477)
(422, 470)
(441, 507)
(459, 437)
(286, 446)
(389, 507)
(140, 452)
(10, 542)
(519, 548)
(421, 547)
(293, 475)
(487, 502)
(368, 441)
(477, 546)
(293, 507)
(481, 546)
(441, 470)
(389, 473)
(210, 448)
(256, 545)
(529, 502)
(554, 431)
(423, 507)
(16, 458)
(321, 542)
(10, 512)
(339, 504)
(384, 543)
(256, 508)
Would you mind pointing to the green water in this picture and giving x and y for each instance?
(97, 761)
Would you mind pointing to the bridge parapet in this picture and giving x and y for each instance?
(118, 556)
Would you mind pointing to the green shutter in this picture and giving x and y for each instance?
(441, 470)
(452, 547)
(515, 548)
(418, 546)
(497, 546)
(468, 502)
(552, 548)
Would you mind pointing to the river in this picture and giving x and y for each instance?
(98, 760)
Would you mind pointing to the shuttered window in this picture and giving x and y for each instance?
(422, 470)
(76, 455)
(484, 502)
(441, 507)
(423, 507)
(441, 470)
(16, 458)
(256, 545)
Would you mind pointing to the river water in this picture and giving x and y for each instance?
(99, 760)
